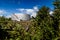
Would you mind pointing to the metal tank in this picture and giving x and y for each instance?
(19, 17)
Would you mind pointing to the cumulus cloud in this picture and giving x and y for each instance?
(2, 11)
(32, 11)
(51, 13)
(1, 15)
(8, 16)
(20, 9)
(36, 8)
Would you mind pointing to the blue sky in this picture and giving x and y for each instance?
(10, 6)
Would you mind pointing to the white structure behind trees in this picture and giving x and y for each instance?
(19, 17)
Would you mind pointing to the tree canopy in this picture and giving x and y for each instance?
(42, 27)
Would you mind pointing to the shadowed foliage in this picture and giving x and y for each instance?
(43, 27)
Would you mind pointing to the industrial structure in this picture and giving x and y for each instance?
(19, 17)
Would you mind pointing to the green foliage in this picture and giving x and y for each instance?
(56, 4)
(45, 22)
(43, 27)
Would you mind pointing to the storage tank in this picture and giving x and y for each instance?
(19, 17)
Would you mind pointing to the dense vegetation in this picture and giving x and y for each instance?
(43, 27)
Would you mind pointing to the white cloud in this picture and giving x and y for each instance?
(1, 15)
(2, 11)
(8, 16)
(51, 13)
(36, 8)
(20, 9)
(32, 11)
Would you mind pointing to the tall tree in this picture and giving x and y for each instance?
(56, 15)
(45, 23)
(56, 4)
